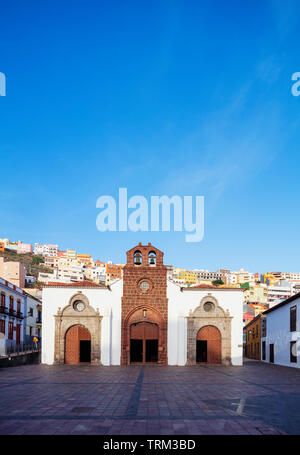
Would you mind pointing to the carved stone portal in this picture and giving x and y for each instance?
(209, 313)
(77, 312)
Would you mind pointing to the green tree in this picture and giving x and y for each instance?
(37, 259)
(218, 282)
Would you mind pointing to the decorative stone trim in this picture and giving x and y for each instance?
(69, 317)
(216, 317)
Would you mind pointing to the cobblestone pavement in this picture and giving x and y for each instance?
(163, 400)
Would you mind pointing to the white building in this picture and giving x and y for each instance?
(279, 292)
(239, 277)
(280, 333)
(176, 325)
(45, 249)
(71, 273)
(31, 318)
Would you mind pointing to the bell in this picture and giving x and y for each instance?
(137, 260)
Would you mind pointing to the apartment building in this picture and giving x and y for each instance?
(272, 278)
(45, 249)
(72, 273)
(189, 277)
(51, 261)
(12, 271)
(85, 259)
(24, 248)
(239, 277)
(114, 271)
(203, 275)
(257, 293)
(12, 313)
(71, 254)
(278, 293)
(96, 274)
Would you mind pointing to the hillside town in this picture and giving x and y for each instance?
(21, 290)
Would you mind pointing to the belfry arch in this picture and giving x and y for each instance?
(77, 313)
(209, 322)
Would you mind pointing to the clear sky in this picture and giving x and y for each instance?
(163, 97)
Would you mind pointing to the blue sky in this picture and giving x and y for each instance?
(164, 97)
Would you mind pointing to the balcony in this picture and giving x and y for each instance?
(3, 309)
(19, 315)
(38, 320)
(11, 312)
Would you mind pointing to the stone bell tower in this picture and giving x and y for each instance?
(144, 307)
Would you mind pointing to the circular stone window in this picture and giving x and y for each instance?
(144, 286)
(78, 305)
(208, 306)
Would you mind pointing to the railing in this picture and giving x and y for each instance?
(11, 312)
(38, 320)
(23, 348)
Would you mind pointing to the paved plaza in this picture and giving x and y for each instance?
(159, 400)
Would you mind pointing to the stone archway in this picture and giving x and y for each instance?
(146, 325)
(209, 313)
(78, 312)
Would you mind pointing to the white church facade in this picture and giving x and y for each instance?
(142, 318)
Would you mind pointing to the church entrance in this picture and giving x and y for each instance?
(143, 342)
(208, 348)
(77, 345)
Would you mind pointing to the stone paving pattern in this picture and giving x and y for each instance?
(150, 400)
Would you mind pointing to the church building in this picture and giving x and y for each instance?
(142, 318)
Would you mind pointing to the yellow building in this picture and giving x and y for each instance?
(258, 293)
(85, 259)
(71, 254)
(189, 277)
(269, 279)
(253, 338)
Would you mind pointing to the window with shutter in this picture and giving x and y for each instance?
(293, 316)
(10, 330)
(293, 352)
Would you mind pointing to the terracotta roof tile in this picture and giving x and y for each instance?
(75, 284)
(209, 286)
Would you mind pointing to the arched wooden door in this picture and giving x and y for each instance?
(143, 342)
(77, 345)
(209, 345)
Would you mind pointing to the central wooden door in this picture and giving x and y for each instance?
(209, 340)
(143, 342)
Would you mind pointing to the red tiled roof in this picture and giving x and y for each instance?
(75, 284)
(254, 305)
(209, 286)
